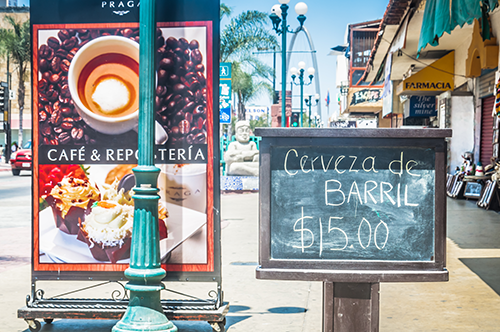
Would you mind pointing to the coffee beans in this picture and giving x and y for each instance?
(181, 97)
(59, 122)
(181, 93)
(76, 134)
(42, 116)
(64, 138)
(65, 65)
(53, 43)
(70, 43)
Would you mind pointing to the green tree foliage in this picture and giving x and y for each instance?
(15, 44)
(224, 11)
(244, 34)
(261, 122)
(241, 37)
(246, 87)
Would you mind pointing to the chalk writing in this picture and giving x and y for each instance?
(353, 203)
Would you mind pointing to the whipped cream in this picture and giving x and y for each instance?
(109, 223)
(73, 192)
(111, 95)
(109, 192)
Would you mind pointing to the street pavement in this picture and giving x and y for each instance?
(4, 167)
(468, 302)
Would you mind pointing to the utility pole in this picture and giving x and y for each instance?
(7, 129)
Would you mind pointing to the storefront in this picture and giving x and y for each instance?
(365, 107)
(419, 92)
(432, 80)
(485, 120)
(418, 111)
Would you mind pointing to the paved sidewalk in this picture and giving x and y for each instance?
(4, 167)
(468, 302)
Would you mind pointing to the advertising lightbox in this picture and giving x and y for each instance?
(85, 121)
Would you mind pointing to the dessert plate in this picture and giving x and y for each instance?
(186, 242)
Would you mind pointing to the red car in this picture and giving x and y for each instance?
(21, 159)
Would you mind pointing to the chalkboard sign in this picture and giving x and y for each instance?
(352, 203)
(344, 202)
(473, 190)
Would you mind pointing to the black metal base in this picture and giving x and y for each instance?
(49, 309)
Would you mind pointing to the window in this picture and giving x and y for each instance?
(362, 45)
(356, 76)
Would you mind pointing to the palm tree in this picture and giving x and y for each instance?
(15, 43)
(246, 88)
(224, 10)
(244, 34)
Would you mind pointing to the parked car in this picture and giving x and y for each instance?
(21, 159)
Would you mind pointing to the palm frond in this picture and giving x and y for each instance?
(246, 33)
(225, 10)
(16, 41)
(257, 67)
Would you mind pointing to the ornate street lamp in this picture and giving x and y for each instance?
(278, 15)
(145, 312)
(344, 88)
(294, 71)
(309, 104)
(317, 121)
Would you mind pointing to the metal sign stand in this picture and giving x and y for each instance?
(146, 312)
(212, 310)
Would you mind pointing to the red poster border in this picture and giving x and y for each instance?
(209, 266)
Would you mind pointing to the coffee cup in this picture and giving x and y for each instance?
(184, 185)
(103, 80)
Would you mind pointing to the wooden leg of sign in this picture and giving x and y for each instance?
(350, 307)
(328, 305)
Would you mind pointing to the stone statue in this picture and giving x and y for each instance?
(242, 156)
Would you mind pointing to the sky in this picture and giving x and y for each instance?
(326, 21)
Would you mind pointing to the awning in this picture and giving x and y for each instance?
(433, 79)
(442, 16)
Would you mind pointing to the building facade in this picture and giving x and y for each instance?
(20, 14)
(440, 74)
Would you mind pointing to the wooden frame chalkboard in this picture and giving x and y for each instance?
(376, 158)
(473, 190)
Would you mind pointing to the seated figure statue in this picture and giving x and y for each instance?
(242, 156)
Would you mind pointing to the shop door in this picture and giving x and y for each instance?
(486, 130)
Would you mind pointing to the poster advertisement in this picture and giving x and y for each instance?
(85, 116)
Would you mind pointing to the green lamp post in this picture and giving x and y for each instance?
(276, 12)
(309, 103)
(294, 71)
(144, 312)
